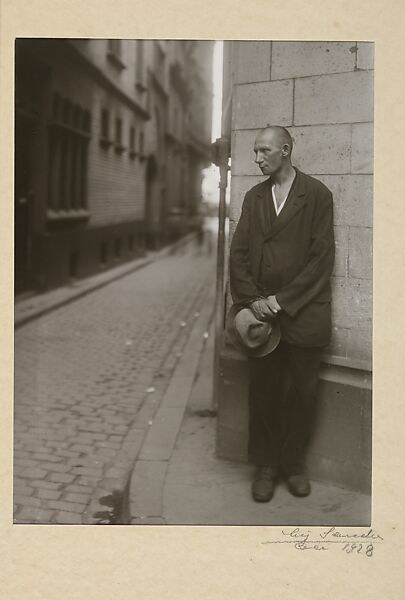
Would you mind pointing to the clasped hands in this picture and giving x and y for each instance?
(265, 308)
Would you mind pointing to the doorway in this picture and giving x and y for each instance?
(152, 202)
(23, 203)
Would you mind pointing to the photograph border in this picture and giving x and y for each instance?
(210, 562)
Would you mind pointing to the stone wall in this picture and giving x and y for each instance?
(323, 93)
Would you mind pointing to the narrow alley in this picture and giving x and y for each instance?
(84, 372)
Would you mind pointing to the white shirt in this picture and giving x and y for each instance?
(278, 209)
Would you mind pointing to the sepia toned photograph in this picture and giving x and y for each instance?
(193, 282)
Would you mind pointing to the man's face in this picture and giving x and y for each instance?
(268, 151)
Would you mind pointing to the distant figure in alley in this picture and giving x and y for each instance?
(281, 261)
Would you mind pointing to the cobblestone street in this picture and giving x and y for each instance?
(88, 379)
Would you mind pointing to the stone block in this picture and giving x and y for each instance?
(74, 497)
(299, 59)
(365, 55)
(72, 507)
(20, 487)
(322, 149)
(33, 473)
(317, 150)
(362, 148)
(242, 153)
(252, 61)
(342, 251)
(334, 441)
(67, 518)
(352, 303)
(61, 477)
(260, 104)
(359, 344)
(176, 393)
(360, 252)
(81, 489)
(161, 438)
(91, 471)
(340, 98)
(239, 187)
(19, 498)
(338, 345)
(146, 488)
(34, 515)
(340, 447)
(352, 199)
(48, 494)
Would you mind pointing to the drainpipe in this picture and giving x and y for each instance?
(220, 156)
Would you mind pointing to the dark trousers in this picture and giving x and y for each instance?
(282, 406)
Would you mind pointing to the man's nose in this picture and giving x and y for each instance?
(258, 158)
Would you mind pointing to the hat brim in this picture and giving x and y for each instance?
(270, 344)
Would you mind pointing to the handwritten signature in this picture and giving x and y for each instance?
(324, 539)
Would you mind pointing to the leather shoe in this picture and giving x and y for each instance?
(264, 484)
(299, 485)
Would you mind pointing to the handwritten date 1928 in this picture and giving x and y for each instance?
(357, 548)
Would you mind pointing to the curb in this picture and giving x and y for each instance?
(145, 502)
(109, 503)
(66, 295)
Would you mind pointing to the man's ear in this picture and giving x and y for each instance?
(285, 150)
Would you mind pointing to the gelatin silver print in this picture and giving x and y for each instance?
(193, 282)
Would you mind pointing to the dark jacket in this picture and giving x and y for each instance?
(290, 256)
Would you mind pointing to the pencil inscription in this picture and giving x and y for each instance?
(323, 540)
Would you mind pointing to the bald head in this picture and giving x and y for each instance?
(278, 135)
(273, 146)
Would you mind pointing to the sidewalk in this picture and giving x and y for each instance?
(90, 377)
(37, 305)
(189, 485)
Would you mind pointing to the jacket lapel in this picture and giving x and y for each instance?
(263, 208)
(296, 201)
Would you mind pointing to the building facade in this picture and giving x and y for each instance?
(109, 148)
(323, 93)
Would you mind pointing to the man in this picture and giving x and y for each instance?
(281, 260)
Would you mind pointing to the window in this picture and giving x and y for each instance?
(114, 53)
(132, 151)
(105, 124)
(117, 248)
(175, 124)
(159, 64)
(103, 253)
(114, 46)
(139, 66)
(69, 134)
(105, 128)
(141, 146)
(118, 132)
(118, 136)
(73, 264)
(86, 121)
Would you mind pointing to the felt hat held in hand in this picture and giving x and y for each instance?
(256, 338)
